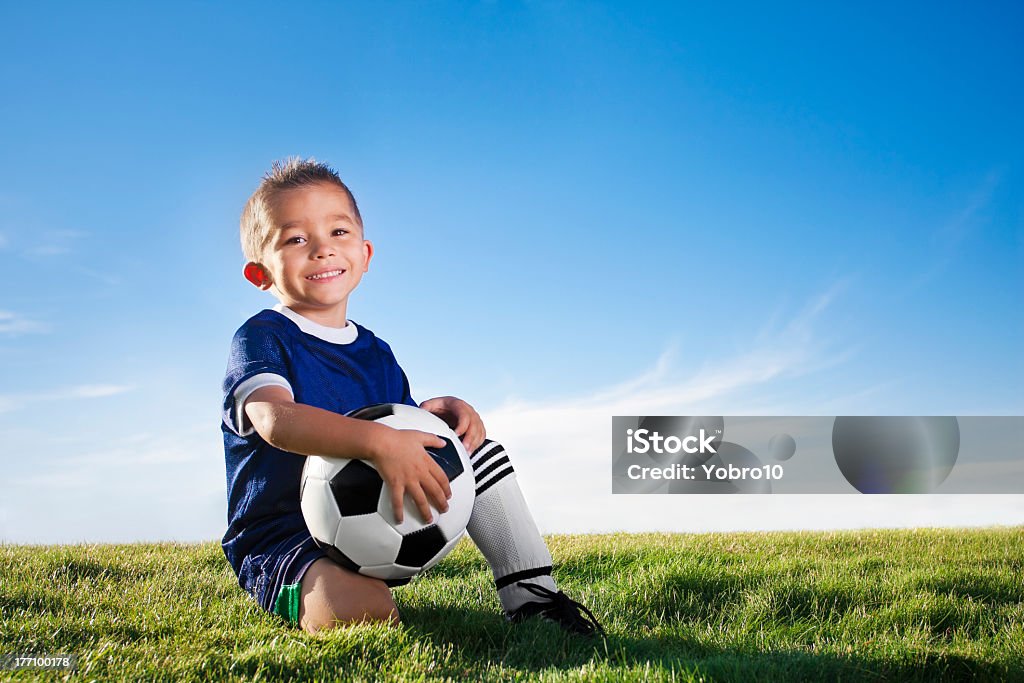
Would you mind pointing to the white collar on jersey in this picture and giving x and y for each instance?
(334, 335)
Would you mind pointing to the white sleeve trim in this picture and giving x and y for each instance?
(244, 390)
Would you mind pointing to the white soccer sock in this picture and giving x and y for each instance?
(503, 529)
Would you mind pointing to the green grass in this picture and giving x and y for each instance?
(862, 605)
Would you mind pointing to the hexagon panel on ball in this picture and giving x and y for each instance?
(356, 488)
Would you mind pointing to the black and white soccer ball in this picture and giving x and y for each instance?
(347, 506)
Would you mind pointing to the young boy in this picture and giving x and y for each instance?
(292, 374)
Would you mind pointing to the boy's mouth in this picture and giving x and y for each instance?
(326, 275)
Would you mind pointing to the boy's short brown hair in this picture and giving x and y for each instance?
(256, 223)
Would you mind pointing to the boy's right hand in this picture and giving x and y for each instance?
(407, 468)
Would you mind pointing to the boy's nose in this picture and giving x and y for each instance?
(322, 250)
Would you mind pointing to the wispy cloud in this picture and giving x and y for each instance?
(948, 239)
(47, 250)
(159, 485)
(54, 243)
(104, 277)
(787, 350)
(566, 439)
(9, 402)
(184, 446)
(49, 243)
(13, 324)
(92, 391)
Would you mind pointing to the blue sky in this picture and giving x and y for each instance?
(579, 209)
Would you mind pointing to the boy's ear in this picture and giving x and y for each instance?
(257, 275)
(368, 250)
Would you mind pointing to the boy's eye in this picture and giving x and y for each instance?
(295, 240)
(339, 231)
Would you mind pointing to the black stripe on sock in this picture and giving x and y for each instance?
(480, 476)
(498, 477)
(509, 579)
(493, 452)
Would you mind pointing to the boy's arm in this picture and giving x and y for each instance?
(399, 455)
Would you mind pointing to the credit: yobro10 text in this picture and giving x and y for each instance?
(645, 441)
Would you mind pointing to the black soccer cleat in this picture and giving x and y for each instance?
(560, 609)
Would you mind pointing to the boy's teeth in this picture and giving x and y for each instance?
(320, 276)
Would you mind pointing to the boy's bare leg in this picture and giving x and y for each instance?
(332, 596)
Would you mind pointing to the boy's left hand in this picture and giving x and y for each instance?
(461, 417)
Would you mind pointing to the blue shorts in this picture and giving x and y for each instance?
(272, 575)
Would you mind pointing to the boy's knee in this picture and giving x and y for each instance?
(327, 620)
(333, 596)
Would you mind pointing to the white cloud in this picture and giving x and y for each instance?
(94, 391)
(10, 402)
(105, 277)
(148, 486)
(54, 243)
(788, 352)
(48, 250)
(13, 324)
(562, 449)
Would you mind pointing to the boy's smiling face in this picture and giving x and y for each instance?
(316, 254)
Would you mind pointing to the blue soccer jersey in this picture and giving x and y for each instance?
(340, 370)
